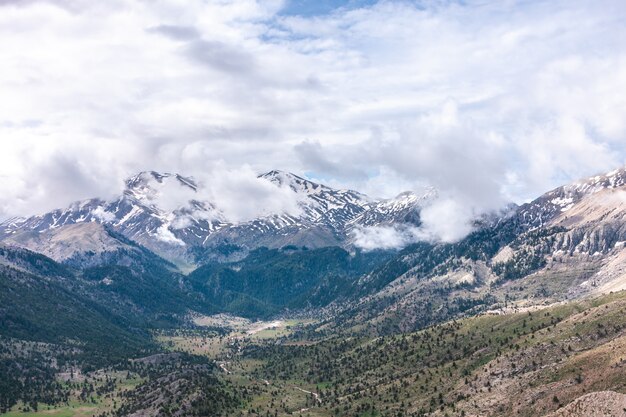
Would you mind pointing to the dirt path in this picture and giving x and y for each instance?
(223, 368)
(315, 394)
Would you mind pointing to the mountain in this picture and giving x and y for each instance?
(128, 281)
(567, 244)
(544, 209)
(40, 300)
(196, 231)
(82, 243)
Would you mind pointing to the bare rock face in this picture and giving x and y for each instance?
(595, 404)
(63, 242)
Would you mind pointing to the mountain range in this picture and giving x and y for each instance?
(567, 243)
(196, 231)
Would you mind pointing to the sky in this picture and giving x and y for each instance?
(487, 101)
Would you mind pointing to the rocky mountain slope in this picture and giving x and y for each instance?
(85, 243)
(595, 404)
(567, 244)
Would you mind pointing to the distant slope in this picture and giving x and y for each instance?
(595, 404)
(134, 285)
(38, 309)
(64, 243)
(271, 280)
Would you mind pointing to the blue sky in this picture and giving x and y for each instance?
(315, 8)
(489, 102)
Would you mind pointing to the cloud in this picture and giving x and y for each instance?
(445, 220)
(312, 156)
(442, 220)
(102, 215)
(229, 59)
(165, 235)
(241, 196)
(385, 237)
(487, 102)
(178, 33)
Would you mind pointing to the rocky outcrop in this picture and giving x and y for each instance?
(595, 404)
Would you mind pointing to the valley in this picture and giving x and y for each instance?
(526, 363)
(524, 316)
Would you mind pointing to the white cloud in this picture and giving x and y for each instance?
(385, 237)
(241, 196)
(103, 216)
(485, 101)
(445, 220)
(442, 220)
(165, 235)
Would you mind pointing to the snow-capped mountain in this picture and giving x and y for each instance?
(322, 204)
(590, 213)
(165, 213)
(550, 205)
(401, 209)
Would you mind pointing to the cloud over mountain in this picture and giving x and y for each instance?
(487, 102)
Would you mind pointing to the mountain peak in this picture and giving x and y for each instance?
(613, 179)
(276, 175)
(146, 177)
(293, 181)
(566, 195)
